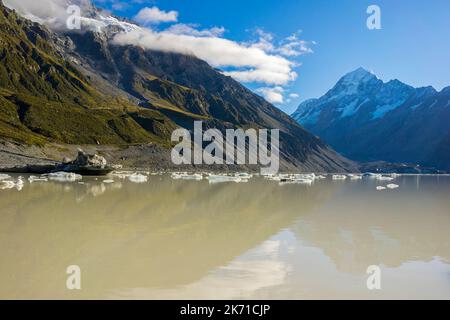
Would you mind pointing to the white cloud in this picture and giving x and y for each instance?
(191, 29)
(291, 46)
(273, 95)
(294, 95)
(251, 64)
(52, 13)
(154, 15)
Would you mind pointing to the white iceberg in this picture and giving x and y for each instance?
(186, 176)
(392, 186)
(384, 178)
(122, 174)
(380, 188)
(224, 178)
(64, 176)
(138, 178)
(32, 179)
(339, 177)
(244, 175)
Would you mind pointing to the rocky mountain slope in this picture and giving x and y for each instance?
(369, 120)
(81, 88)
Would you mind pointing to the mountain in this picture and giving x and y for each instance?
(81, 88)
(45, 98)
(367, 119)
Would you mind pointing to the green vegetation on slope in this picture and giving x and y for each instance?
(44, 98)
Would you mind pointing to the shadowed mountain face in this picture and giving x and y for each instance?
(79, 87)
(369, 120)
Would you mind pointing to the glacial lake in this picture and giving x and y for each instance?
(176, 239)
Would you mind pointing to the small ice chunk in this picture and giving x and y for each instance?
(224, 178)
(137, 178)
(392, 186)
(384, 178)
(108, 181)
(380, 188)
(122, 174)
(64, 176)
(32, 179)
(339, 177)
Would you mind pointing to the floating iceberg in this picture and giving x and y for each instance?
(384, 178)
(272, 178)
(380, 188)
(392, 186)
(302, 176)
(138, 178)
(195, 176)
(32, 179)
(64, 176)
(355, 176)
(122, 174)
(224, 178)
(244, 175)
(108, 181)
(186, 176)
(339, 177)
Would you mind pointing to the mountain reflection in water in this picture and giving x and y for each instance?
(188, 239)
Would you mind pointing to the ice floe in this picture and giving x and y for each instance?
(355, 176)
(186, 176)
(215, 178)
(392, 186)
(339, 177)
(138, 178)
(32, 179)
(380, 177)
(64, 176)
(122, 174)
(380, 188)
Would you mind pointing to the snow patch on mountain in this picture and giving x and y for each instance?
(101, 22)
(352, 108)
(382, 110)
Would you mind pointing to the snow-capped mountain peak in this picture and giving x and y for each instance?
(357, 76)
(368, 119)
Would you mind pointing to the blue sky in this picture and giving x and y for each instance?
(412, 46)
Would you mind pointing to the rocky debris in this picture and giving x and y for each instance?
(84, 160)
(86, 164)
